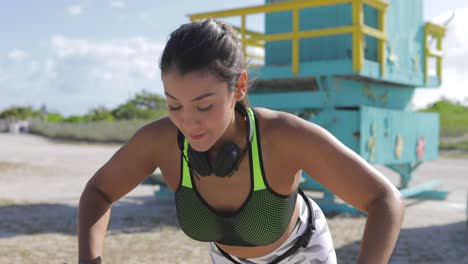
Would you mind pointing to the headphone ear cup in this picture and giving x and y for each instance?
(199, 162)
(180, 141)
(227, 159)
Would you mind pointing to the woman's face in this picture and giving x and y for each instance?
(200, 105)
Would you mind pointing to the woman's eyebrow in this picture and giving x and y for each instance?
(198, 98)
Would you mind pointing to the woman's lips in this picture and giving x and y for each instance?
(197, 136)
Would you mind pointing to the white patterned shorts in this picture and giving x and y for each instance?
(319, 250)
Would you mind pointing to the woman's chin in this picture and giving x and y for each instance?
(199, 146)
(199, 149)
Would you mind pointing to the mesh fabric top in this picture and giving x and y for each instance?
(261, 220)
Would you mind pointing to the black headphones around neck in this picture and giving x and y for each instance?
(228, 159)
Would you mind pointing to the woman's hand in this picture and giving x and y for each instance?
(97, 260)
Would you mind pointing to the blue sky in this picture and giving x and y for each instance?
(76, 55)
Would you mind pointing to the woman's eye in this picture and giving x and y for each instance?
(172, 108)
(205, 109)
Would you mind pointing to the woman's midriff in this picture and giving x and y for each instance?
(259, 251)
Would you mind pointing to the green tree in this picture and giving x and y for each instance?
(453, 117)
(451, 113)
(54, 117)
(99, 113)
(149, 101)
(19, 112)
(144, 105)
(131, 111)
(74, 119)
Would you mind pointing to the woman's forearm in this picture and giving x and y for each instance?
(93, 218)
(385, 216)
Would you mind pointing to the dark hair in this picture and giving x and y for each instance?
(205, 45)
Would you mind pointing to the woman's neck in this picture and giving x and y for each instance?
(235, 133)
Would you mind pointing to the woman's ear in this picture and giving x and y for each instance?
(241, 86)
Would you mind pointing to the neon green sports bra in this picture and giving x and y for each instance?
(261, 219)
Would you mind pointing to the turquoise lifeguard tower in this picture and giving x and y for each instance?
(352, 67)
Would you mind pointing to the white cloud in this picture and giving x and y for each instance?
(136, 56)
(454, 86)
(17, 55)
(455, 62)
(82, 74)
(75, 10)
(117, 4)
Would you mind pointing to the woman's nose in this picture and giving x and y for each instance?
(190, 120)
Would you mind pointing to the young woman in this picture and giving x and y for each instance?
(235, 170)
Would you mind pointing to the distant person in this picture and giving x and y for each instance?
(235, 170)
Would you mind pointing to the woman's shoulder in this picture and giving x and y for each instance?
(272, 124)
(272, 121)
(161, 126)
(160, 134)
(275, 126)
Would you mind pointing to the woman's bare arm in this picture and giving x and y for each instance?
(350, 177)
(127, 168)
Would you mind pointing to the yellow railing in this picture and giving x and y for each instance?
(437, 32)
(358, 29)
